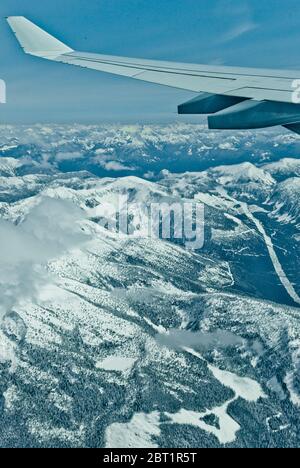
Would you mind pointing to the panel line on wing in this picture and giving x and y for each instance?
(137, 66)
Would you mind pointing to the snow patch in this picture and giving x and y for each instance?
(116, 363)
(135, 434)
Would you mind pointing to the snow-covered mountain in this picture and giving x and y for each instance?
(286, 201)
(119, 341)
(284, 168)
(8, 166)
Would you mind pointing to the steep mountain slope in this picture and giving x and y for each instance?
(286, 201)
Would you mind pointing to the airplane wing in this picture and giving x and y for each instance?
(234, 98)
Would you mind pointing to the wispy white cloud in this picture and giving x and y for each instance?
(112, 165)
(238, 19)
(69, 156)
(117, 166)
(238, 31)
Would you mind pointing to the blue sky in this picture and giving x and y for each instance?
(259, 33)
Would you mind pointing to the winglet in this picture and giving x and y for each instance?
(36, 41)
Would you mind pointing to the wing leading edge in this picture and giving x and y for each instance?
(235, 98)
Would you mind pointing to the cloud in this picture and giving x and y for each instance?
(178, 339)
(116, 166)
(50, 229)
(237, 18)
(238, 30)
(68, 156)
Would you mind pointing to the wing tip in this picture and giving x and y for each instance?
(12, 19)
(34, 40)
